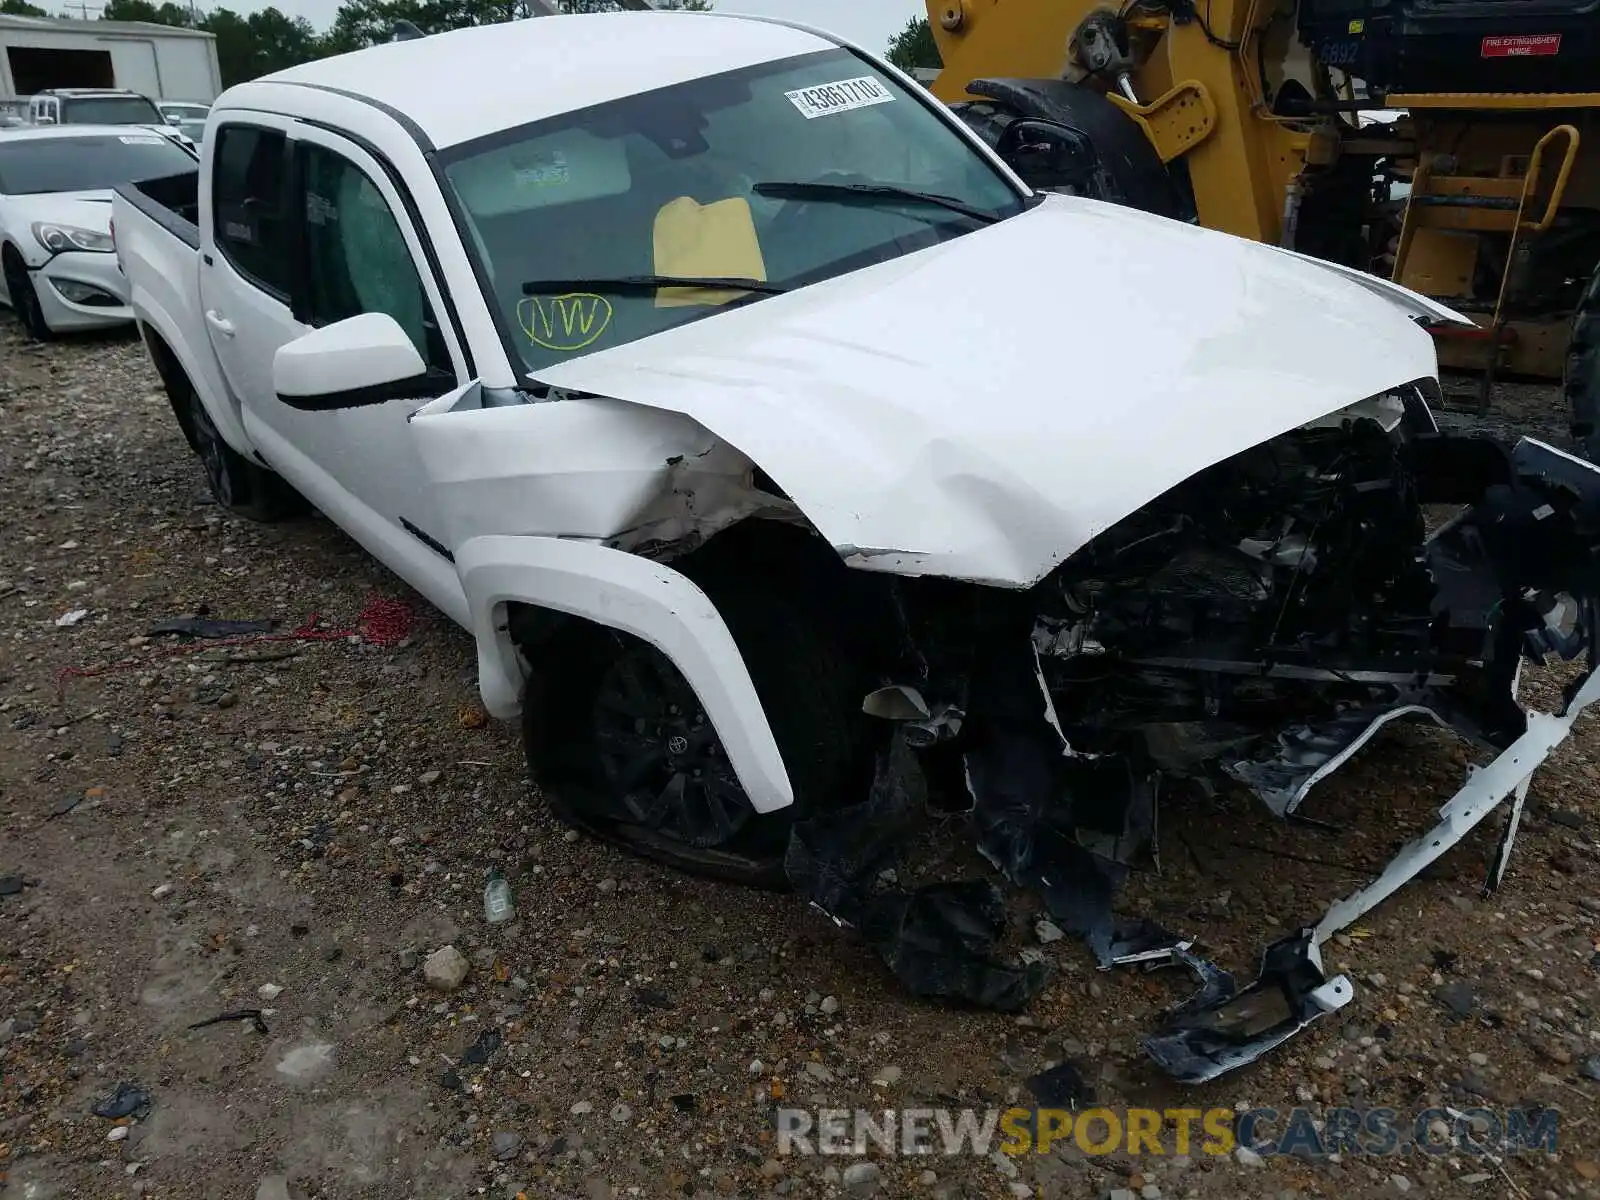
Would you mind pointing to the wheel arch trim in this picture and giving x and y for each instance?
(635, 595)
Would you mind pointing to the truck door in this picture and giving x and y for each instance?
(245, 239)
(361, 252)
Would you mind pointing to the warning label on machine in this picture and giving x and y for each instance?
(1522, 46)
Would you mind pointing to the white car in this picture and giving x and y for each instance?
(57, 268)
(789, 458)
(187, 116)
(102, 106)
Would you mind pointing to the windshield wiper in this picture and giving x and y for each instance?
(649, 283)
(868, 193)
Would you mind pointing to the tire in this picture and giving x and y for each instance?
(1581, 379)
(25, 299)
(577, 741)
(237, 484)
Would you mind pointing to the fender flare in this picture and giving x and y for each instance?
(1136, 175)
(634, 595)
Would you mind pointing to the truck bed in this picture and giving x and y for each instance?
(160, 249)
(173, 202)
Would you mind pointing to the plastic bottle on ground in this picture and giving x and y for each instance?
(499, 905)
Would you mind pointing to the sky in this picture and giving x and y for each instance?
(869, 22)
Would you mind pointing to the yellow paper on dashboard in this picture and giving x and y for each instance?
(706, 240)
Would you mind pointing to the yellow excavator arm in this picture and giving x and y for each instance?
(1185, 80)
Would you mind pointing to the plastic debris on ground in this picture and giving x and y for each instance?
(499, 903)
(1198, 674)
(128, 1100)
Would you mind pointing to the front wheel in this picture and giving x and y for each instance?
(624, 750)
(25, 300)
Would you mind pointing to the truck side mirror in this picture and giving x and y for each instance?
(365, 359)
(1049, 156)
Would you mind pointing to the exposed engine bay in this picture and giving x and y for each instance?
(1253, 626)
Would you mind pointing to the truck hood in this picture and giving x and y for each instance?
(983, 408)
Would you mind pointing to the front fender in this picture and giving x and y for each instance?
(634, 595)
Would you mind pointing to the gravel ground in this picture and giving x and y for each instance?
(296, 827)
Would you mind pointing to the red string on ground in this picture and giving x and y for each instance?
(381, 622)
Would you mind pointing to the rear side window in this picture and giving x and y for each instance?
(249, 207)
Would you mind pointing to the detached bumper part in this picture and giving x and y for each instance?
(1209, 1036)
(937, 940)
(1198, 1042)
(1515, 578)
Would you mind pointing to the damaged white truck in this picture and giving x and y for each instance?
(790, 460)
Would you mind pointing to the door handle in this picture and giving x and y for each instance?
(219, 322)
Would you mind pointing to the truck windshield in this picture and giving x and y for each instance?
(29, 166)
(783, 174)
(110, 110)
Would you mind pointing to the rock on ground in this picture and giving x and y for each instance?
(445, 969)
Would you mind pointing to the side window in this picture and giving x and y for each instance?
(247, 204)
(357, 259)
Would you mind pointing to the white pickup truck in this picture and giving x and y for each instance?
(773, 437)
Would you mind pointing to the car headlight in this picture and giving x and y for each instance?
(60, 238)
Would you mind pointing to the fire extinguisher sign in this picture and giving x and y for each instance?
(1530, 45)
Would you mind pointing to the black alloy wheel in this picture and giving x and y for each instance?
(660, 753)
(623, 749)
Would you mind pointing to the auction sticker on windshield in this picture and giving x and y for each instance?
(828, 98)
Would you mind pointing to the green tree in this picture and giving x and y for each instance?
(166, 13)
(248, 46)
(361, 23)
(21, 8)
(914, 46)
(260, 43)
(588, 6)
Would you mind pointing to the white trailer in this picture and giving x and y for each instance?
(160, 61)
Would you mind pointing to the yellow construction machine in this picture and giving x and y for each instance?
(1448, 144)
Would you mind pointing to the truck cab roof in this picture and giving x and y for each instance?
(543, 67)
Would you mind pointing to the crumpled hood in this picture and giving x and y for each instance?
(981, 409)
